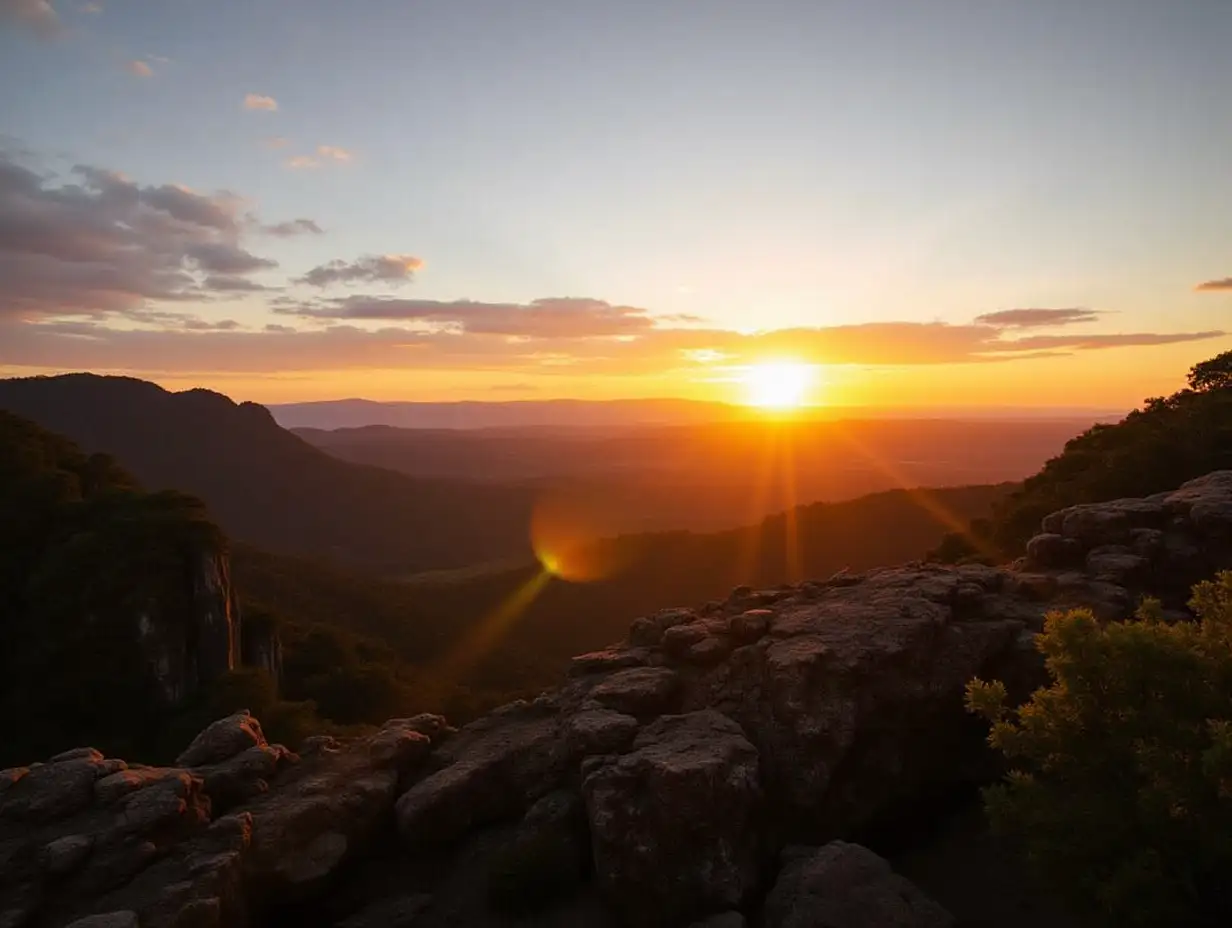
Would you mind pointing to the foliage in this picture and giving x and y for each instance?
(271, 488)
(84, 553)
(1122, 768)
(1215, 374)
(1170, 440)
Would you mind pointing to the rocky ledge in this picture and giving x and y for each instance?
(713, 767)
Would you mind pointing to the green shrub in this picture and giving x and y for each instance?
(1121, 787)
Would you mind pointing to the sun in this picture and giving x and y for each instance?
(778, 384)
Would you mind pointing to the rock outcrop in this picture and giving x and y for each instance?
(713, 767)
(195, 639)
(847, 886)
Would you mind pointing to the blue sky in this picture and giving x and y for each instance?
(758, 165)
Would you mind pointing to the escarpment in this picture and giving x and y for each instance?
(718, 767)
(116, 605)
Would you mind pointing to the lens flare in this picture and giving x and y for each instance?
(572, 532)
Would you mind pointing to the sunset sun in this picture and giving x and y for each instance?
(778, 384)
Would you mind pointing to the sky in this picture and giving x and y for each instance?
(983, 202)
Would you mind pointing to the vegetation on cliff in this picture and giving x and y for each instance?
(83, 554)
(1156, 448)
(1122, 779)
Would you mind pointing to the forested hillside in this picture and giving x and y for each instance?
(1156, 448)
(268, 487)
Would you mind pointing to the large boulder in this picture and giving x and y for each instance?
(674, 823)
(546, 857)
(847, 886)
(854, 696)
(222, 740)
(492, 769)
(1160, 544)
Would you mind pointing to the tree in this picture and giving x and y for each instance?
(1214, 374)
(1121, 786)
(1170, 440)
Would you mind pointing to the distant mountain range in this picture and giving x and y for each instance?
(266, 486)
(713, 475)
(337, 414)
(561, 413)
(401, 501)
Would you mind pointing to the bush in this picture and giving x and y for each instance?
(1122, 781)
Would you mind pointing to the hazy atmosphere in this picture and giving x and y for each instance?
(948, 203)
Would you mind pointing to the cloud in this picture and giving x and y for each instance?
(1215, 286)
(98, 271)
(559, 317)
(201, 325)
(139, 68)
(38, 16)
(225, 258)
(96, 242)
(275, 141)
(1091, 342)
(1035, 318)
(293, 227)
(91, 8)
(256, 101)
(231, 283)
(280, 348)
(370, 268)
(324, 154)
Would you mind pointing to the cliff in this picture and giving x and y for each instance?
(718, 764)
(117, 605)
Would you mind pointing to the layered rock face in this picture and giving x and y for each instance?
(711, 768)
(188, 648)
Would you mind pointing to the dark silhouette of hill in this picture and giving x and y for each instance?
(1156, 448)
(615, 414)
(334, 414)
(266, 486)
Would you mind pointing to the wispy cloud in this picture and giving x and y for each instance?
(557, 317)
(286, 348)
(324, 154)
(293, 227)
(91, 8)
(139, 68)
(256, 101)
(37, 16)
(1037, 318)
(1215, 286)
(369, 269)
(333, 153)
(275, 142)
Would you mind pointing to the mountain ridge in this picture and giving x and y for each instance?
(265, 485)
